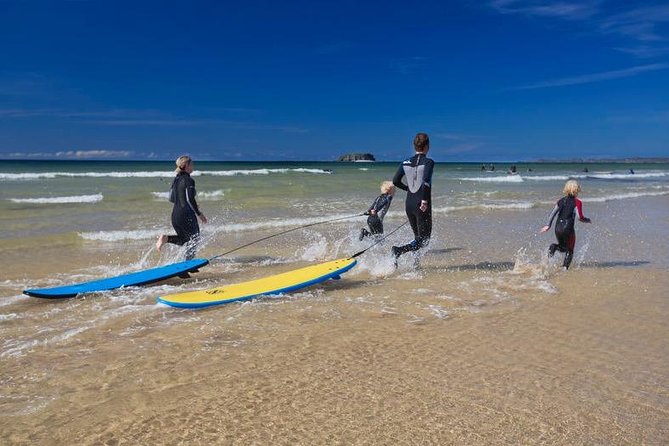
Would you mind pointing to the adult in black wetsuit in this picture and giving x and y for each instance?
(566, 210)
(418, 173)
(185, 211)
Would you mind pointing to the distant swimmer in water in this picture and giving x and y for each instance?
(586, 170)
(185, 211)
(631, 171)
(512, 170)
(378, 210)
(566, 210)
(417, 171)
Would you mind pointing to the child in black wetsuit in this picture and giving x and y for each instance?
(378, 210)
(566, 210)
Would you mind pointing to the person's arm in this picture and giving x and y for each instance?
(383, 206)
(397, 179)
(425, 190)
(370, 209)
(579, 209)
(190, 199)
(550, 218)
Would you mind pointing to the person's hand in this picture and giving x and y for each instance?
(423, 206)
(545, 228)
(372, 212)
(203, 218)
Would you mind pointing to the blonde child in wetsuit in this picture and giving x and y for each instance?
(566, 210)
(378, 210)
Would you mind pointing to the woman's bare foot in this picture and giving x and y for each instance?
(162, 239)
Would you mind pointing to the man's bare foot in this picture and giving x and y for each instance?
(162, 239)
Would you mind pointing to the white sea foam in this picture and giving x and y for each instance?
(114, 236)
(154, 174)
(548, 178)
(438, 311)
(51, 175)
(593, 175)
(14, 348)
(59, 200)
(489, 206)
(228, 173)
(142, 234)
(625, 196)
(284, 223)
(496, 179)
(8, 317)
(213, 195)
(625, 176)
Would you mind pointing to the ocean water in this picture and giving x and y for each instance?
(65, 222)
(120, 207)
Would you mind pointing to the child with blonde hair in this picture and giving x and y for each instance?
(566, 210)
(378, 210)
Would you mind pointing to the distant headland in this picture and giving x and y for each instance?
(357, 157)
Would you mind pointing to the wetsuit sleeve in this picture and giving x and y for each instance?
(552, 215)
(190, 196)
(367, 212)
(382, 205)
(397, 179)
(425, 190)
(579, 209)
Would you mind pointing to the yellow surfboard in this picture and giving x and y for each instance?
(277, 284)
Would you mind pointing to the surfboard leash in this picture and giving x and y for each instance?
(285, 232)
(379, 240)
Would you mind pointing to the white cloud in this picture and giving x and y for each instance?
(72, 154)
(86, 154)
(640, 23)
(645, 51)
(594, 77)
(545, 8)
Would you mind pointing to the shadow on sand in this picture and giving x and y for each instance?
(631, 263)
(442, 251)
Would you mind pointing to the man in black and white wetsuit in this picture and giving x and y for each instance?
(418, 173)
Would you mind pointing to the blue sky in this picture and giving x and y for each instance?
(494, 80)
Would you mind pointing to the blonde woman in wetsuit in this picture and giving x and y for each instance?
(185, 211)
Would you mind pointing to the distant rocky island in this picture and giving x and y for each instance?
(357, 157)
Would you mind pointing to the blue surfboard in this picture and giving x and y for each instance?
(132, 279)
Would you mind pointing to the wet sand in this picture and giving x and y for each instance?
(487, 342)
(353, 363)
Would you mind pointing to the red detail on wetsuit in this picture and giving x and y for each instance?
(579, 208)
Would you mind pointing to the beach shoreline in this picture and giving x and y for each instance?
(481, 339)
(573, 367)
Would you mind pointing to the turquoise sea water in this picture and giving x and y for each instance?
(120, 207)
